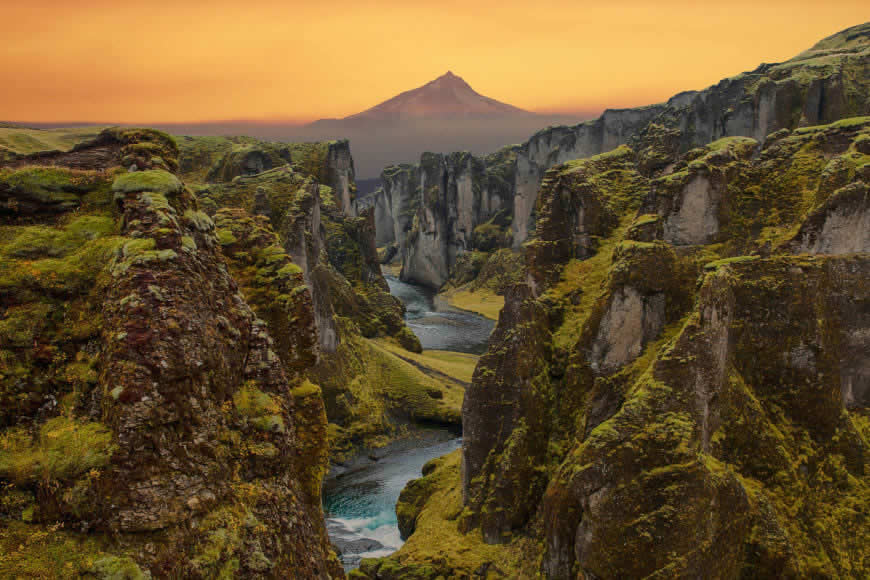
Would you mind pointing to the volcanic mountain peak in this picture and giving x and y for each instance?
(448, 96)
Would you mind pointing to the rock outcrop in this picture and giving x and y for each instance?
(352, 307)
(220, 159)
(821, 85)
(694, 395)
(149, 425)
(446, 205)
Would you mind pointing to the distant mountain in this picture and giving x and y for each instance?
(443, 115)
(448, 97)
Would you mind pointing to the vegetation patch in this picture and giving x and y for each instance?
(261, 410)
(63, 449)
(482, 301)
(155, 180)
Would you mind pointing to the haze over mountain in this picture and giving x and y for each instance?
(445, 114)
(447, 97)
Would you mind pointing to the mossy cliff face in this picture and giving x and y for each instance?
(151, 423)
(444, 206)
(447, 205)
(826, 83)
(221, 159)
(371, 393)
(663, 400)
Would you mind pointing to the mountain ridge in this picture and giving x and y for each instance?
(446, 97)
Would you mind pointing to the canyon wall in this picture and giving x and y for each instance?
(156, 421)
(823, 84)
(679, 385)
(446, 205)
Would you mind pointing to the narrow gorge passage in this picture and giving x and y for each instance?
(360, 501)
(437, 325)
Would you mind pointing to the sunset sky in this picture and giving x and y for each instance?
(207, 60)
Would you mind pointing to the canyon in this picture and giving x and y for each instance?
(436, 205)
(196, 332)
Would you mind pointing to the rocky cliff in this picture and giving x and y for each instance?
(823, 84)
(371, 394)
(153, 422)
(683, 375)
(826, 83)
(446, 205)
(221, 159)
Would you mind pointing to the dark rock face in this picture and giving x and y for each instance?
(826, 83)
(335, 256)
(182, 432)
(505, 419)
(623, 409)
(433, 211)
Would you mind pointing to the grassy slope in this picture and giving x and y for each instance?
(482, 301)
(457, 365)
(437, 546)
(24, 141)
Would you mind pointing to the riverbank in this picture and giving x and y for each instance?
(482, 301)
(359, 498)
(360, 492)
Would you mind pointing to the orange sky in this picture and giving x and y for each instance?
(196, 60)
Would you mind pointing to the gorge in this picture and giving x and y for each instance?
(634, 347)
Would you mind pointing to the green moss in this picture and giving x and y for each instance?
(138, 246)
(188, 243)
(52, 184)
(263, 411)
(71, 274)
(118, 568)
(139, 252)
(289, 270)
(44, 241)
(47, 552)
(199, 219)
(306, 389)
(22, 324)
(735, 260)
(408, 340)
(157, 181)
(226, 237)
(64, 449)
(491, 235)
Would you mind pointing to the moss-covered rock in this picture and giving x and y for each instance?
(157, 181)
(691, 400)
(38, 193)
(143, 403)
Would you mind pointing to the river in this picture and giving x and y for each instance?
(360, 501)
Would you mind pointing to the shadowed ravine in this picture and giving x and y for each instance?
(360, 503)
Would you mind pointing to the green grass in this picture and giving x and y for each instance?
(409, 388)
(28, 141)
(64, 449)
(482, 301)
(457, 365)
(437, 543)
